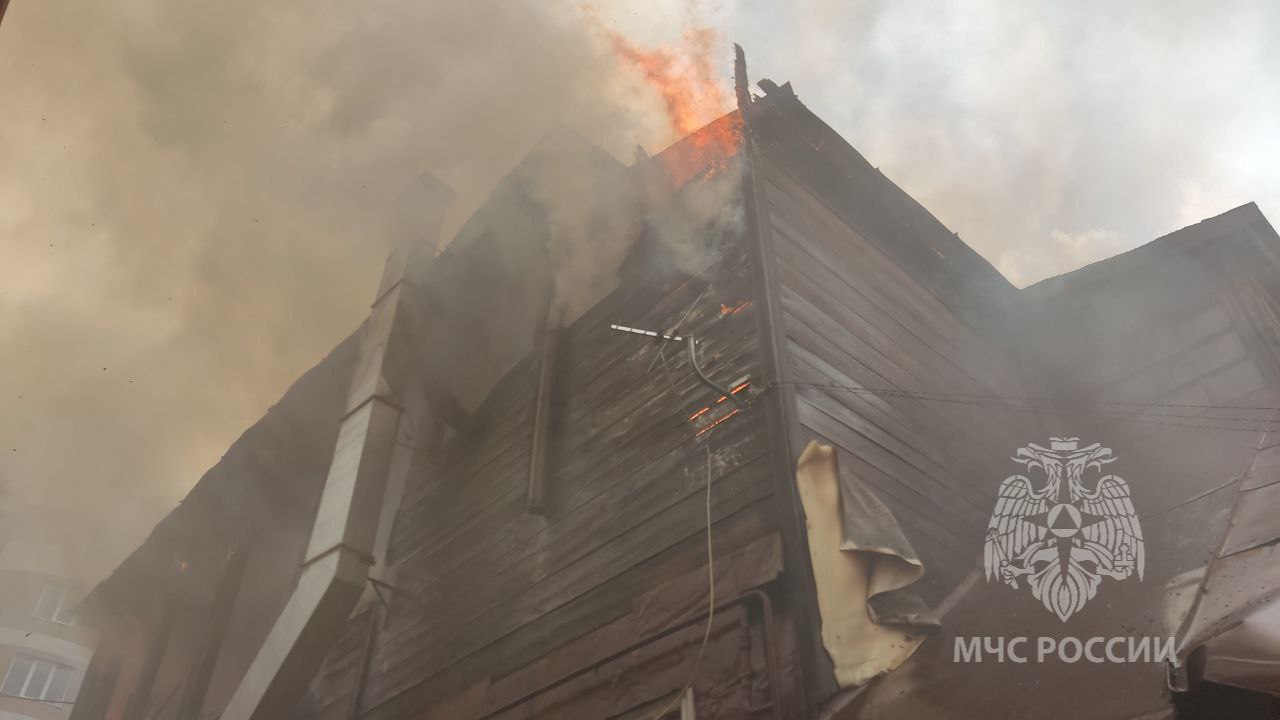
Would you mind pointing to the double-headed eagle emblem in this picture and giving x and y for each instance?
(1063, 536)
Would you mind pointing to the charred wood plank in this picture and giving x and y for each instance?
(595, 609)
(460, 634)
(518, 559)
(612, 443)
(626, 465)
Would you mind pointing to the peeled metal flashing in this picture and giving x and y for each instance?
(344, 538)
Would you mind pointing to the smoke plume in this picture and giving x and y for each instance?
(196, 199)
(1048, 134)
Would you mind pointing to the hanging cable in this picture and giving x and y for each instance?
(1046, 406)
(692, 344)
(960, 397)
(711, 601)
(711, 568)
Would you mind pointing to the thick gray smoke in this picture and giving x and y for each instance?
(1048, 134)
(194, 208)
(195, 197)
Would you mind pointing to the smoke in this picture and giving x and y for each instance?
(1048, 134)
(597, 212)
(196, 200)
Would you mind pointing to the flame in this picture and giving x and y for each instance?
(703, 154)
(683, 75)
(725, 310)
(694, 99)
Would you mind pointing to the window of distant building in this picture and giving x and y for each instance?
(55, 605)
(37, 679)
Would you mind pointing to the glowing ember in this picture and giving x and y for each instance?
(715, 424)
(732, 391)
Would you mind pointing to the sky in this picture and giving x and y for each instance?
(195, 198)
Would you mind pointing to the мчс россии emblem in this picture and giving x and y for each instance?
(1063, 534)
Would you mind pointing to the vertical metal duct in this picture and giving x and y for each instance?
(548, 341)
(341, 550)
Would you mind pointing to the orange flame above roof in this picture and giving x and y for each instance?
(684, 75)
(695, 99)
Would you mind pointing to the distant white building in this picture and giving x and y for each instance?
(43, 651)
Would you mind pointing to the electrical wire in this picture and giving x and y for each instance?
(711, 568)
(676, 330)
(711, 602)
(962, 397)
(1048, 406)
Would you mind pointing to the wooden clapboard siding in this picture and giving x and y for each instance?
(483, 585)
(873, 293)
(1197, 330)
(521, 650)
(335, 683)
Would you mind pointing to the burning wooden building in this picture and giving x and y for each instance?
(737, 459)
